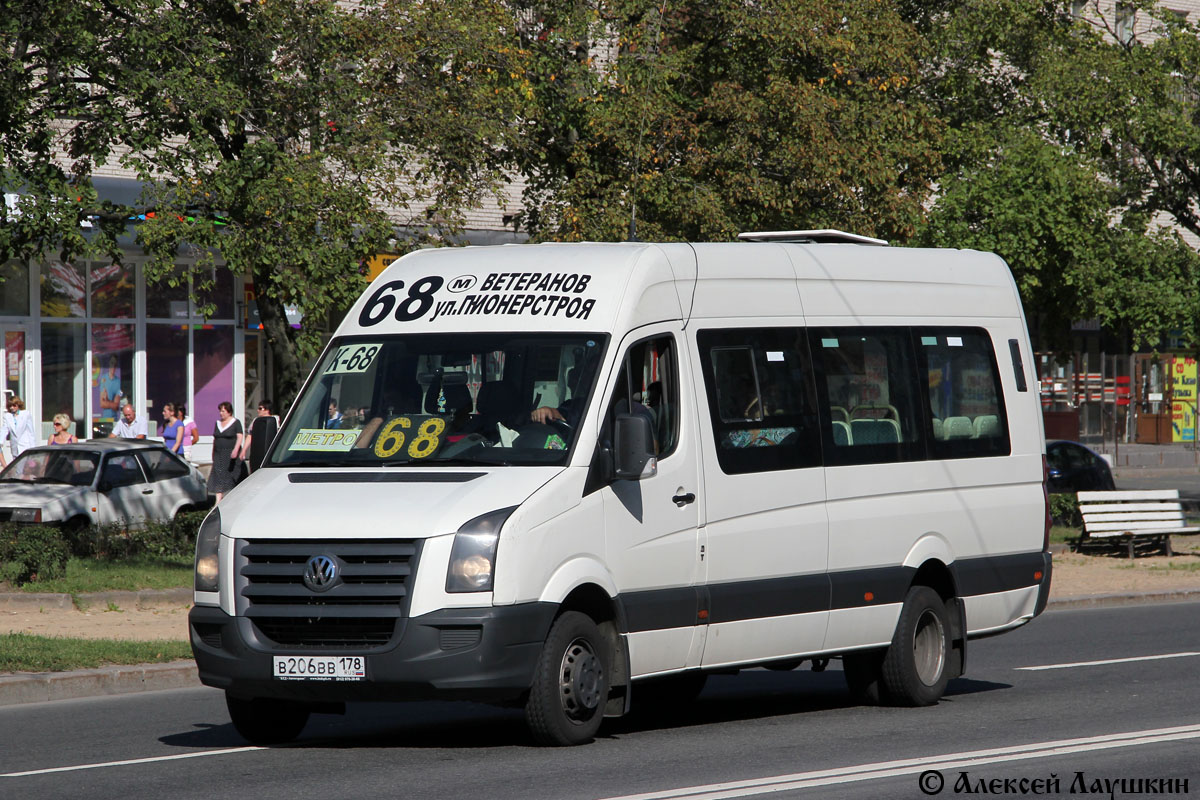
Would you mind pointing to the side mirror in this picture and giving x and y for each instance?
(633, 448)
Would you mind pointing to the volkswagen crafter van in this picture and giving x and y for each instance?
(580, 477)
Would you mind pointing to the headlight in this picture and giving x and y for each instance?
(207, 540)
(26, 515)
(473, 556)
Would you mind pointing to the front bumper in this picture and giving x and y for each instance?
(486, 654)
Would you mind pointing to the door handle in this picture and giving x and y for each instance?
(682, 500)
(147, 491)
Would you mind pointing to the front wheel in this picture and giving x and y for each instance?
(570, 684)
(265, 720)
(916, 669)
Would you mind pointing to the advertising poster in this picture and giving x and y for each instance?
(1183, 406)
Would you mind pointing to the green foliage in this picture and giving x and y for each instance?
(1056, 150)
(29, 554)
(719, 117)
(1064, 510)
(176, 537)
(289, 139)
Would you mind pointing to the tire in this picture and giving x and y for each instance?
(266, 720)
(864, 676)
(570, 683)
(916, 668)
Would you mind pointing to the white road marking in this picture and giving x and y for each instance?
(1108, 661)
(912, 766)
(132, 761)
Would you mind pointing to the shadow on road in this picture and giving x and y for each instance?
(753, 695)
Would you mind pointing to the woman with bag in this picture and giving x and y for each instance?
(227, 452)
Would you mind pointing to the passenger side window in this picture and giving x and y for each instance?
(162, 466)
(761, 398)
(869, 410)
(122, 470)
(648, 386)
(966, 403)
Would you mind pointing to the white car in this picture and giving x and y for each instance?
(99, 482)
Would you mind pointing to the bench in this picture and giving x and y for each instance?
(1137, 520)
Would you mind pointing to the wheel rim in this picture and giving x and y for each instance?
(579, 680)
(929, 653)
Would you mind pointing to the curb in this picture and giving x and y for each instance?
(1137, 598)
(40, 687)
(144, 597)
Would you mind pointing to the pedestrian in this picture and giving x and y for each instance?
(172, 429)
(226, 453)
(262, 433)
(62, 431)
(19, 427)
(189, 433)
(129, 426)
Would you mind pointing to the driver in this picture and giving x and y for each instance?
(569, 411)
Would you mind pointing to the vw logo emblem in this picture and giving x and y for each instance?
(321, 573)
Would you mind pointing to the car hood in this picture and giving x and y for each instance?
(280, 503)
(36, 494)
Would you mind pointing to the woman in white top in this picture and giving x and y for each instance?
(20, 430)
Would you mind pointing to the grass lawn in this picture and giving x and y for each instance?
(1062, 534)
(126, 574)
(20, 652)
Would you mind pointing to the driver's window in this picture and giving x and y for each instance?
(648, 385)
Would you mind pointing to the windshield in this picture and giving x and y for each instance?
(449, 399)
(73, 467)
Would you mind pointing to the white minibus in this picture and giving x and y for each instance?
(582, 477)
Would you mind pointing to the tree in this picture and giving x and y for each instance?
(700, 120)
(1059, 136)
(288, 140)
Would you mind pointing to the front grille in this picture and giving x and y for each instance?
(361, 607)
(327, 632)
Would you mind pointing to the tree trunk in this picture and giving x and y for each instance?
(281, 340)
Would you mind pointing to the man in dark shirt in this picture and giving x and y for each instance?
(262, 433)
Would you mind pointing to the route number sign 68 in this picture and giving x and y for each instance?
(395, 433)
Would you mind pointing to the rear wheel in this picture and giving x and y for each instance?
(915, 670)
(570, 684)
(266, 720)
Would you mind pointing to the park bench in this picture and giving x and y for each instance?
(1142, 520)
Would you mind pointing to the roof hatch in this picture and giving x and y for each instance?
(822, 236)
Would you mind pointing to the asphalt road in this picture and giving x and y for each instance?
(762, 733)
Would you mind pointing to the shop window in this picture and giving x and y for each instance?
(164, 301)
(214, 287)
(64, 290)
(112, 291)
(213, 374)
(64, 374)
(166, 370)
(112, 374)
(14, 289)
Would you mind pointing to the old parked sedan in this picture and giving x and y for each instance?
(98, 482)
